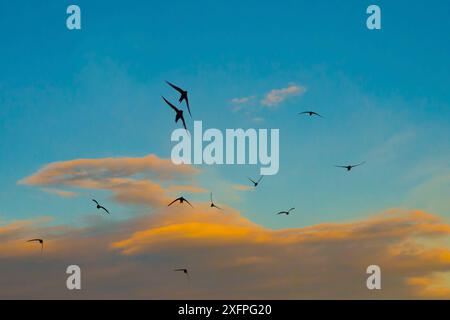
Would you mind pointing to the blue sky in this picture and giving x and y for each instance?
(96, 93)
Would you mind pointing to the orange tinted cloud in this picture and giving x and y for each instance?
(15, 228)
(186, 188)
(69, 172)
(179, 227)
(391, 240)
(131, 180)
(203, 227)
(61, 193)
(436, 286)
(241, 187)
(231, 257)
(144, 192)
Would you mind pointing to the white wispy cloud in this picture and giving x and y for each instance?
(242, 100)
(277, 96)
(258, 119)
(239, 103)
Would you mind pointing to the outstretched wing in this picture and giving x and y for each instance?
(177, 199)
(211, 197)
(96, 202)
(35, 240)
(187, 104)
(260, 179)
(291, 209)
(341, 167)
(101, 207)
(360, 164)
(171, 105)
(181, 270)
(311, 113)
(251, 180)
(184, 123)
(188, 203)
(175, 87)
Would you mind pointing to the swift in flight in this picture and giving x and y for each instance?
(179, 113)
(181, 200)
(286, 212)
(100, 207)
(41, 241)
(183, 95)
(256, 183)
(350, 167)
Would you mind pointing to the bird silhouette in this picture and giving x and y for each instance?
(185, 271)
(286, 212)
(40, 241)
(100, 207)
(212, 203)
(256, 183)
(181, 200)
(350, 167)
(179, 113)
(311, 113)
(183, 95)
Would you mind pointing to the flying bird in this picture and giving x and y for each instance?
(184, 95)
(40, 241)
(311, 113)
(350, 167)
(185, 271)
(181, 200)
(100, 207)
(286, 212)
(212, 203)
(256, 183)
(179, 113)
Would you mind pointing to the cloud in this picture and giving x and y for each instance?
(15, 228)
(391, 147)
(131, 180)
(432, 287)
(199, 228)
(431, 193)
(258, 119)
(242, 187)
(230, 257)
(186, 188)
(222, 249)
(239, 103)
(242, 100)
(131, 191)
(61, 193)
(70, 172)
(277, 96)
(233, 228)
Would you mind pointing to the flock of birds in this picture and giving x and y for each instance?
(181, 200)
